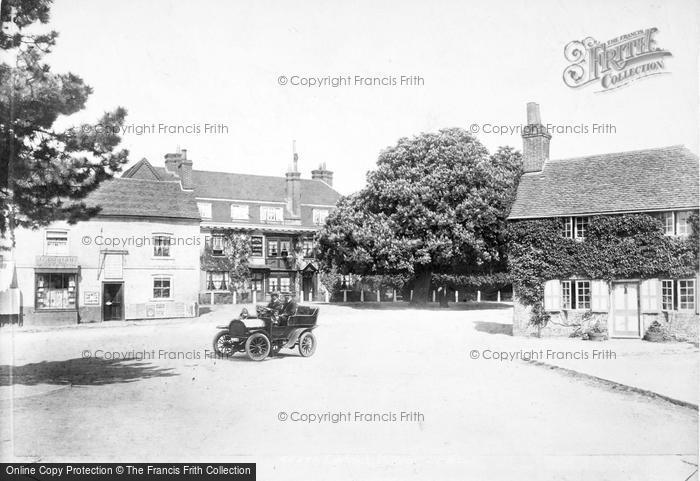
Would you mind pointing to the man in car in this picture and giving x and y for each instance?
(275, 305)
(289, 308)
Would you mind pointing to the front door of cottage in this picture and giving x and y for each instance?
(625, 309)
(113, 300)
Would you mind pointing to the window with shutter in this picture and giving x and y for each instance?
(649, 295)
(599, 296)
(552, 295)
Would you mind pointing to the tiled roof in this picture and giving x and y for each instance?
(164, 174)
(643, 180)
(258, 188)
(142, 170)
(144, 198)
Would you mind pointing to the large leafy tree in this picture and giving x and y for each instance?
(437, 203)
(46, 173)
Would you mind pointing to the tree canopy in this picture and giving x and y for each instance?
(437, 203)
(45, 173)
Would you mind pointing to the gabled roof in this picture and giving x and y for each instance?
(131, 197)
(142, 170)
(223, 185)
(637, 181)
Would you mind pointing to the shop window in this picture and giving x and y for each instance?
(56, 291)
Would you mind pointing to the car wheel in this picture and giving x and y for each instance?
(307, 344)
(257, 346)
(224, 344)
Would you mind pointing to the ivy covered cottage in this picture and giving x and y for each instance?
(265, 222)
(605, 242)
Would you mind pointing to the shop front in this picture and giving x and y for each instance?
(56, 280)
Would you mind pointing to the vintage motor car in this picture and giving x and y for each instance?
(264, 333)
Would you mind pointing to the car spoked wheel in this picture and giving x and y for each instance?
(257, 346)
(224, 344)
(307, 344)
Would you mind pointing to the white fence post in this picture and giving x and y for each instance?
(328, 297)
(498, 296)
(362, 295)
(433, 295)
(345, 296)
(211, 298)
(379, 297)
(478, 296)
(411, 296)
(235, 297)
(393, 299)
(255, 297)
(456, 296)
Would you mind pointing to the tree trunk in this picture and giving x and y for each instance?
(421, 288)
(443, 294)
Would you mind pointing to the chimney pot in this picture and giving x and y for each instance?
(323, 174)
(533, 113)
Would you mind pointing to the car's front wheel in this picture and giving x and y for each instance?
(224, 344)
(257, 346)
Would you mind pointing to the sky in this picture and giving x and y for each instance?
(220, 63)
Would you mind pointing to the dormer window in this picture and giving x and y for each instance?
(320, 216)
(239, 212)
(204, 209)
(271, 214)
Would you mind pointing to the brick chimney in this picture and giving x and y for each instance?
(179, 165)
(293, 188)
(535, 140)
(171, 162)
(323, 174)
(185, 171)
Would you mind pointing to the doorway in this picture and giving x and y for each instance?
(307, 286)
(113, 301)
(625, 310)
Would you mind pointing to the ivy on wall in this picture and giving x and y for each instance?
(236, 251)
(625, 246)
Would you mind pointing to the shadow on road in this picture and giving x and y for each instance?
(396, 306)
(494, 328)
(88, 372)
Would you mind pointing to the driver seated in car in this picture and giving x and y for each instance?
(275, 305)
(289, 308)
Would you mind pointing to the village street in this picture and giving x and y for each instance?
(465, 415)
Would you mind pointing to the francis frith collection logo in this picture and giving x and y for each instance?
(615, 63)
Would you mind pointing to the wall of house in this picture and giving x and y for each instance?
(261, 264)
(87, 242)
(679, 325)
